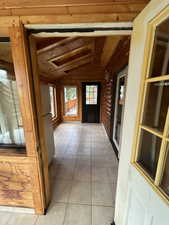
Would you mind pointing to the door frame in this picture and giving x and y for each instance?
(115, 112)
(119, 28)
(41, 191)
(43, 154)
(70, 117)
(84, 97)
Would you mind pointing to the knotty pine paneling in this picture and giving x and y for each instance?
(16, 182)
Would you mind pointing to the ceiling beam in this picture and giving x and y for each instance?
(110, 45)
(67, 55)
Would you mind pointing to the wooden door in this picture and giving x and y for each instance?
(91, 102)
(143, 180)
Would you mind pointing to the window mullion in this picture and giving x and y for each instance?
(159, 78)
(163, 153)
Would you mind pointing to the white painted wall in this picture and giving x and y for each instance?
(136, 202)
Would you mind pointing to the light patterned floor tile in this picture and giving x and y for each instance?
(102, 215)
(54, 216)
(22, 219)
(78, 215)
(80, 193)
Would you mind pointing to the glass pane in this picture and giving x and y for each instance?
(165, 179)
(160, 58)
(119, 108)
(91, 94)
(52, 100)
(71, 101)
(149, 149)
(156, 105)
(11, 127)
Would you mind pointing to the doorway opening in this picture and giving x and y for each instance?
(91, 102)
(83, 166)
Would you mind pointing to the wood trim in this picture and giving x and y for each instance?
(78, 18)
(155, 79)
(43, 151)
(24, 84)
(163, 153)
(152, 131)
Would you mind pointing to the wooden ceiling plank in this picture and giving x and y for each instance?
(110, 45)
(75, 66)
(79, 18)
(83, 9)
(76, 62)
(114, 8)
(52, 3)
(57, 10)
(58, 43)
(72, 53)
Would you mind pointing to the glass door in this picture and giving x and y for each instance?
(119, 108)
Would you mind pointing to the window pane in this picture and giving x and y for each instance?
(71, 101)
(52, 101)
(149, 149)
(91, 94)
(160, 58)
(11, 127)
(165, 179)
(119, 108)
(156, 106)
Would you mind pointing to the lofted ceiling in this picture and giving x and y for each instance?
(59, 57)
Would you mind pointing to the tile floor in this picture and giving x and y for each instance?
(83, 177)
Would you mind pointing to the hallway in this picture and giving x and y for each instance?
(86, 171)
(83, 179)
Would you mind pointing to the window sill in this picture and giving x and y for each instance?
(13, 152)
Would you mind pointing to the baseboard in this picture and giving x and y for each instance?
(113, 145)
(114, 149)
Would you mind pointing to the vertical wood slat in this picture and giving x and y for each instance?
(24, 85)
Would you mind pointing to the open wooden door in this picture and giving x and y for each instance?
(143, 180)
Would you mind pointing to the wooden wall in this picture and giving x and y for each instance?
(32, 11)
(107, 106)
(116, 63)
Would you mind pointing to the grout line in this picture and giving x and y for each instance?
(9, 219)
(67, 204)
(36, 220)
(91, 167)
